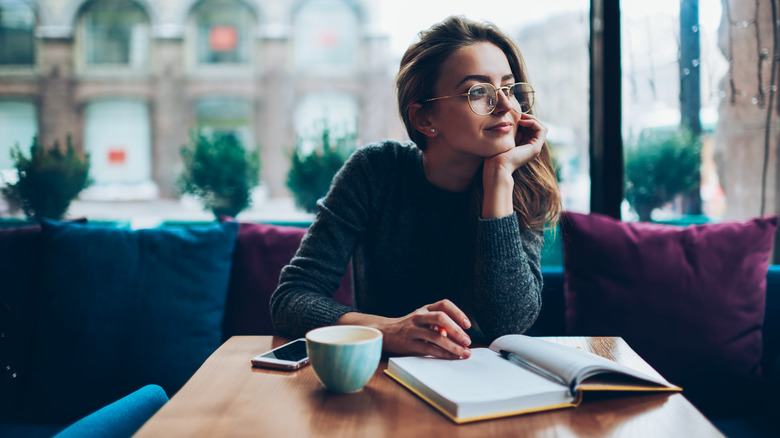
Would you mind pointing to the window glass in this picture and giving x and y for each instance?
(19, 124)
(555, 50)
(17, 25)
(224, 32)
(553, 38)
(316, 112)
(672, 68)
(115, 32)
(117, 136)
(226, 115)
(326, 35)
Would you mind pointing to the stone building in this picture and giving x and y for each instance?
(127, 79)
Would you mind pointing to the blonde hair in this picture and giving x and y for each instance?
(536, 198)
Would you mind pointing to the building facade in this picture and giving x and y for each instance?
(128, 79)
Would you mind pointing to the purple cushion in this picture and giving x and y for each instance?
(690, 300)
(261, 251)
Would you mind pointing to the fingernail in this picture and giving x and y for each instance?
(466, 353)
(466, 323)
(466, 341)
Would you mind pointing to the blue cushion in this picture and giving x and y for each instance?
(122, 308)
(121, 418)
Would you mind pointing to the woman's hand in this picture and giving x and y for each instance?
(436, 329)
(497, 179)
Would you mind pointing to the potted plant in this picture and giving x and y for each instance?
(311, 174)
(48, 180)
(219, 171)
(659, 166)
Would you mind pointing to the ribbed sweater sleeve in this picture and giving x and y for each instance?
(507, 276)
(303, 299)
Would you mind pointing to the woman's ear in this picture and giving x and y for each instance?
(420, 120)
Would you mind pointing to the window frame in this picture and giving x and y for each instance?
(606, 142)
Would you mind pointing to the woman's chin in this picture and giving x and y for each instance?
(500, 149)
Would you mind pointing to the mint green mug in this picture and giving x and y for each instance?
(344, 357)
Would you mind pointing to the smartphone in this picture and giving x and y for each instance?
(289, 356)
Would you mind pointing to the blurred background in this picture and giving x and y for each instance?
(129, 81)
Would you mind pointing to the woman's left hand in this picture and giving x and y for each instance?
(497, 171)
(530, 137)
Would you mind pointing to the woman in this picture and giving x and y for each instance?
(446, 233)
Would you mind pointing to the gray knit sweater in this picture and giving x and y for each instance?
(411, 244)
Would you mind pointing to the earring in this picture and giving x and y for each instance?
(433, 130)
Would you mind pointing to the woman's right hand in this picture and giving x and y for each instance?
(419, 333)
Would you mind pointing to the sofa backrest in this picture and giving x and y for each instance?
(117, 308)
(261, 252)
(552, 320)
(19, 262)
(79, 256)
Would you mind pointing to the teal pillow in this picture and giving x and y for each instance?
(120, 309)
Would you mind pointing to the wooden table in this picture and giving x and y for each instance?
(227, 397)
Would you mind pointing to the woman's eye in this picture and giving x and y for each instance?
(478, 92)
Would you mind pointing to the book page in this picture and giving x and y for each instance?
(571, 364)
(483, 376)
(483, 386)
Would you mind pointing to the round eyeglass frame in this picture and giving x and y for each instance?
(497, 90)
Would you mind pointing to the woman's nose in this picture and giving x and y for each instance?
(503, 102)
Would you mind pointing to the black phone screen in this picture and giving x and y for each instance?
(293, 351)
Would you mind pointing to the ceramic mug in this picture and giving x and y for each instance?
(344, 357)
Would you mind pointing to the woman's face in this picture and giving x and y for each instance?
(459, 128)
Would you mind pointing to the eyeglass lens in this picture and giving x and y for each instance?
(483, 98)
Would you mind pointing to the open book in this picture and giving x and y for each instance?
(516, 375)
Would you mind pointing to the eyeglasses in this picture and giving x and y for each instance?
(483, 98)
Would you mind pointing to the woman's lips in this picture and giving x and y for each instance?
(501, 128)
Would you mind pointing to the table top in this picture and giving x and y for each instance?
(228, 397)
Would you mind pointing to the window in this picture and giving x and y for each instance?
(19, 124)
(117, 135)
(223, 32)
(17, 25)
(114, 32)
(672, 68)
(326, 36)
(555, 51)
(227, 115)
